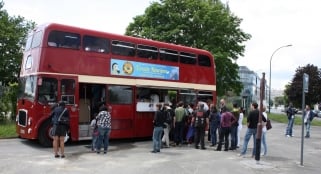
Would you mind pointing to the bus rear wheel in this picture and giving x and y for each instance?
(44, 134)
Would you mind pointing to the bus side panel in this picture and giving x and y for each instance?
(122, 121)
(144, 124)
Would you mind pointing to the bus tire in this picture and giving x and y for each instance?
(44, 135)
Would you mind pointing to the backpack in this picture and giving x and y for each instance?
(236, 114)
(168, 117)
(200, 119)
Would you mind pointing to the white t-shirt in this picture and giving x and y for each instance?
(264, 123)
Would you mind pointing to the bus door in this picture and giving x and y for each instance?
(120, 98)
(68, 93)
(91, 97)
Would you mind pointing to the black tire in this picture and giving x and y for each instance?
(44, 135)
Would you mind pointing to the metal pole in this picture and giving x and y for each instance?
(259, 126)
(269, 103)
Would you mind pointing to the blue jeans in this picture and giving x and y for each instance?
(264, 143)
(290, 126)
(157, 138)
(307, 128)
(249, 132)
(103, 137)
(213, 130)
(233, 137)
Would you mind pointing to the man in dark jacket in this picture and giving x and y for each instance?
(291, 115)
(200, 120)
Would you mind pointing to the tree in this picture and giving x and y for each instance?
(279, 101)
(203, 24)
(294, 89)
(13, 31)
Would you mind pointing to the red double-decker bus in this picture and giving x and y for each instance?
(86, 68)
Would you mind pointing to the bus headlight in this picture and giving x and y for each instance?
(29, 121)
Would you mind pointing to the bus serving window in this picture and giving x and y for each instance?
(96, 44)
(123, 48)
(204, 60)
(168, 55)
(64, 40)
(148, 52)
(120, 94)
(47, 90)
(187, 58)
(67, 89)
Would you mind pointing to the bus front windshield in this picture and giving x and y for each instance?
(27, 87)
(47, 90)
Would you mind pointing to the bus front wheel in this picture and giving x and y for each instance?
(44, 134)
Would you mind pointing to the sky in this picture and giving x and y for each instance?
(272, 24)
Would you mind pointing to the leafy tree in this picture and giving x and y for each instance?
(279, 101)
(294, 90)
(13, 30)
(204, 24)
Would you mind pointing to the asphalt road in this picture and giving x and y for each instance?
(23, 156)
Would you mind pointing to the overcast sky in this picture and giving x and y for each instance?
(272, 24)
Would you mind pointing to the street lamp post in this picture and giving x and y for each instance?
(270, 74)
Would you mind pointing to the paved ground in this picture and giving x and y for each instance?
(22, 156)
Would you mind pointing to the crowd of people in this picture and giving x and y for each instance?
(188, 125)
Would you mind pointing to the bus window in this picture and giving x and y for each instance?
(187, 58)
(47, 91)
(96, 44)
(28, 43)
(68, 91)
(123, 48)
(36, 40)
(204, 60)
(28, 87)
(120, 94)
(168, 55)
(148, 52)
(64, 40)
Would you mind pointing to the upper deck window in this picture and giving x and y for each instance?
(36, 40)
(64, 40)
(28, 43)
(96, 44)
(123, 48)
(168, 55)
(204, 60)
(148, 52)
(187, 58)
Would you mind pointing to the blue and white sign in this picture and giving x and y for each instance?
(146, 70)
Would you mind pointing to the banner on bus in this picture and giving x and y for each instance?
(145, 70)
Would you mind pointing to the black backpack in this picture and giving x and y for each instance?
(200, 119)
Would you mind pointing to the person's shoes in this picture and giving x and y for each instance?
(98, 152)
(197, 147)
(226, 150)
(157, 150)
(212, 145)
(241, 155)
(57, 156)
(105, 152)
(203, 148)
(231, 148)
(62, 156)
(217, 149)
(153, 151)
(288, 136)
(166, 146)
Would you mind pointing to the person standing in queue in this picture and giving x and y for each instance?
(158, 122)
(60, 120)
(200, 120)
(104, 127)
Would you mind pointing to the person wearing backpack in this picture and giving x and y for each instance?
(200, 120)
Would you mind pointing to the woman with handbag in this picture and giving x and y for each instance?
(60, 122)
